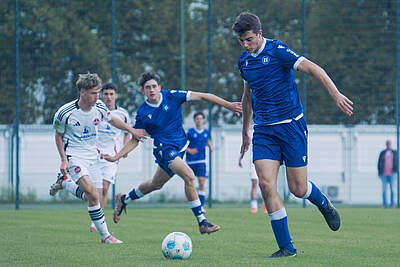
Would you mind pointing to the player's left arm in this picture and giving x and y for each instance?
(342, 102)
(210, 147)
(235, 107)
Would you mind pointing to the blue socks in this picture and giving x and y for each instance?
(202, 197)
(134, 194)
(314, 195)
(281, 231)
(197, 211)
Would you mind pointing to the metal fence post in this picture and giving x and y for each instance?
(113, 70)
(16, 104)
(209, 30)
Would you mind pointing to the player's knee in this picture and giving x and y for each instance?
(265, 186)
(156, 186)
(92, 196)
(191, 181)
(298, 191)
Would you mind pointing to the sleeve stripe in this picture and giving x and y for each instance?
(297, 63)
(101, 106)
(65, 111)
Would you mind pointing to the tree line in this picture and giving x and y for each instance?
(59, 39)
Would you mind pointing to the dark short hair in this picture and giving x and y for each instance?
(197, 114)
(246, 22)
(109, 86)
(147, 76)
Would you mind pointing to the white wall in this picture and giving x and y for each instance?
(339, 156)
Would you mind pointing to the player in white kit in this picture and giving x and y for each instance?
(76, 140)
(110, 140)
(254, 184)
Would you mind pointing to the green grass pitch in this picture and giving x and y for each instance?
(368, 237)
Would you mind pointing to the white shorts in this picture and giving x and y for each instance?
(253, 173)
(108, 170)
(80, 167)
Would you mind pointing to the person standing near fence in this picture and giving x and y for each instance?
(161, 117)
(387, 166)
(280, 133)
(110, 140)
(254, 183)
(199, 138)
(76, 140)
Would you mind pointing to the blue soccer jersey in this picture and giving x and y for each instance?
(197, 140)
(269, 73)
(163, 121)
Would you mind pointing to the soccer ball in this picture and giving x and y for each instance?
(177, 245)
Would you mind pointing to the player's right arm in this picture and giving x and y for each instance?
(59, 124)
(128, 147)
(139, 134)
(60, 147)
(246, 115)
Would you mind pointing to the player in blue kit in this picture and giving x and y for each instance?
(161, 117)
(280, 135)
(199, 138)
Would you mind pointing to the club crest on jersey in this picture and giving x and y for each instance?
(265, 60)
(96, 121)
(195, 135)
(86, 130)
(77, 169)
(108, 127)
(149, 116)
(166, 107)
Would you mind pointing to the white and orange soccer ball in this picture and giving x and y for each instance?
(177, 245)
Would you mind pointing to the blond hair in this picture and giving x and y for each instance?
(88, 81)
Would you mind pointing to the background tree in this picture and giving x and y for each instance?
(60, 39)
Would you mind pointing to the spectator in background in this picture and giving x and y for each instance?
(387, 166)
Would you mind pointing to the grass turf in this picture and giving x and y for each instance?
(368, 237)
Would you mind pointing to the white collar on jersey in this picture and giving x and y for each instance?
(155, 105)
(261, 48)
(199, 132)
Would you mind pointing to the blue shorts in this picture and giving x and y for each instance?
(286, 142)
(165, 154)
(199, 169)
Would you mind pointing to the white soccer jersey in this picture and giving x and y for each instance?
(80, 128)
(110, 138)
